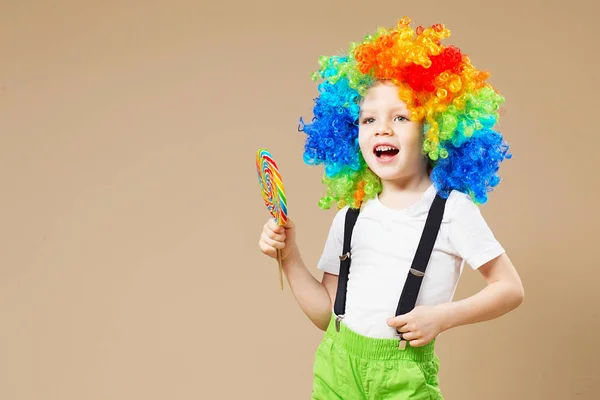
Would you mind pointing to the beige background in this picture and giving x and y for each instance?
(130, 211)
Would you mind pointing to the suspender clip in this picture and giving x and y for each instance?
(402, 343)
(416, 272)
(338, 320)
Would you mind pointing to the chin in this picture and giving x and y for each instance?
(388, 176)
(385, 167)
(387, 173)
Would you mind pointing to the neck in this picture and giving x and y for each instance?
(403, 192)
(418, 182)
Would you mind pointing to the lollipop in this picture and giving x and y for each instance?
(273, 194)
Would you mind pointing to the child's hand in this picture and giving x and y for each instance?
(275, 237)
(420, 326)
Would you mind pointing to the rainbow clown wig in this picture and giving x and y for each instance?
(442, 90)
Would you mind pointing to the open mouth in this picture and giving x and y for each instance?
(385, 152)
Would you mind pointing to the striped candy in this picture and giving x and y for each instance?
(271, 185)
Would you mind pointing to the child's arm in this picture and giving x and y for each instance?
(503, 293)
(314, 298)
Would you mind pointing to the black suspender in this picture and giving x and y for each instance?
(339, 308)
(410, 292)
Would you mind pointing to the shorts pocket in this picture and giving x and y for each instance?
(329, 378)
(396, 380)
(429, 371)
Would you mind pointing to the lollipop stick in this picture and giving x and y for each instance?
(280, 269)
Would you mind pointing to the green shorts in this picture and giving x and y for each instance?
(350, 366)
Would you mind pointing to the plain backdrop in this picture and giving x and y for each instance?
(130, 210)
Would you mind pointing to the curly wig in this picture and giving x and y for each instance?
(442, 89)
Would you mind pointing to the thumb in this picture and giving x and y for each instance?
(398, 321)
(289, 224)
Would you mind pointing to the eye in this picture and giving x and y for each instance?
(400, 118)
(368, 120)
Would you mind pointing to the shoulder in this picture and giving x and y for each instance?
(340, 215)
(337, 224)
(466, 217)
(460, 205)
(368, 210)
(469, 234)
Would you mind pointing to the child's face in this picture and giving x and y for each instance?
(390, 143)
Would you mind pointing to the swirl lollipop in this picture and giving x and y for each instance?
(273, 194)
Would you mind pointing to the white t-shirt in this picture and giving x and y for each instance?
(384, 242)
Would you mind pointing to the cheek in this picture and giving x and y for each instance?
(413, 140)
(363, 142)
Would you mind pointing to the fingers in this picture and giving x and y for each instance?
(272, 238)
(278, 236)
(417, 343)
(272, 225)
(397, 322)
(408, 330)
(413, 336)
(410, 336)
(269, 246)
(277, 244)
(267, 250)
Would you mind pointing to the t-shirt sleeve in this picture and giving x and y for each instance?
(330, 258)
(470, 235)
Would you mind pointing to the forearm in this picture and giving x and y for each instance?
(311, 295)
(495, 300)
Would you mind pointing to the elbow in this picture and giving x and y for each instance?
(521, 295)
(321, 325)
(517, 294)
(323, 322)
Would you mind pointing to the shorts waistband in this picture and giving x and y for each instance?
(376, 348)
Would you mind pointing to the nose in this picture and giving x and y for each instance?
(383, 129)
